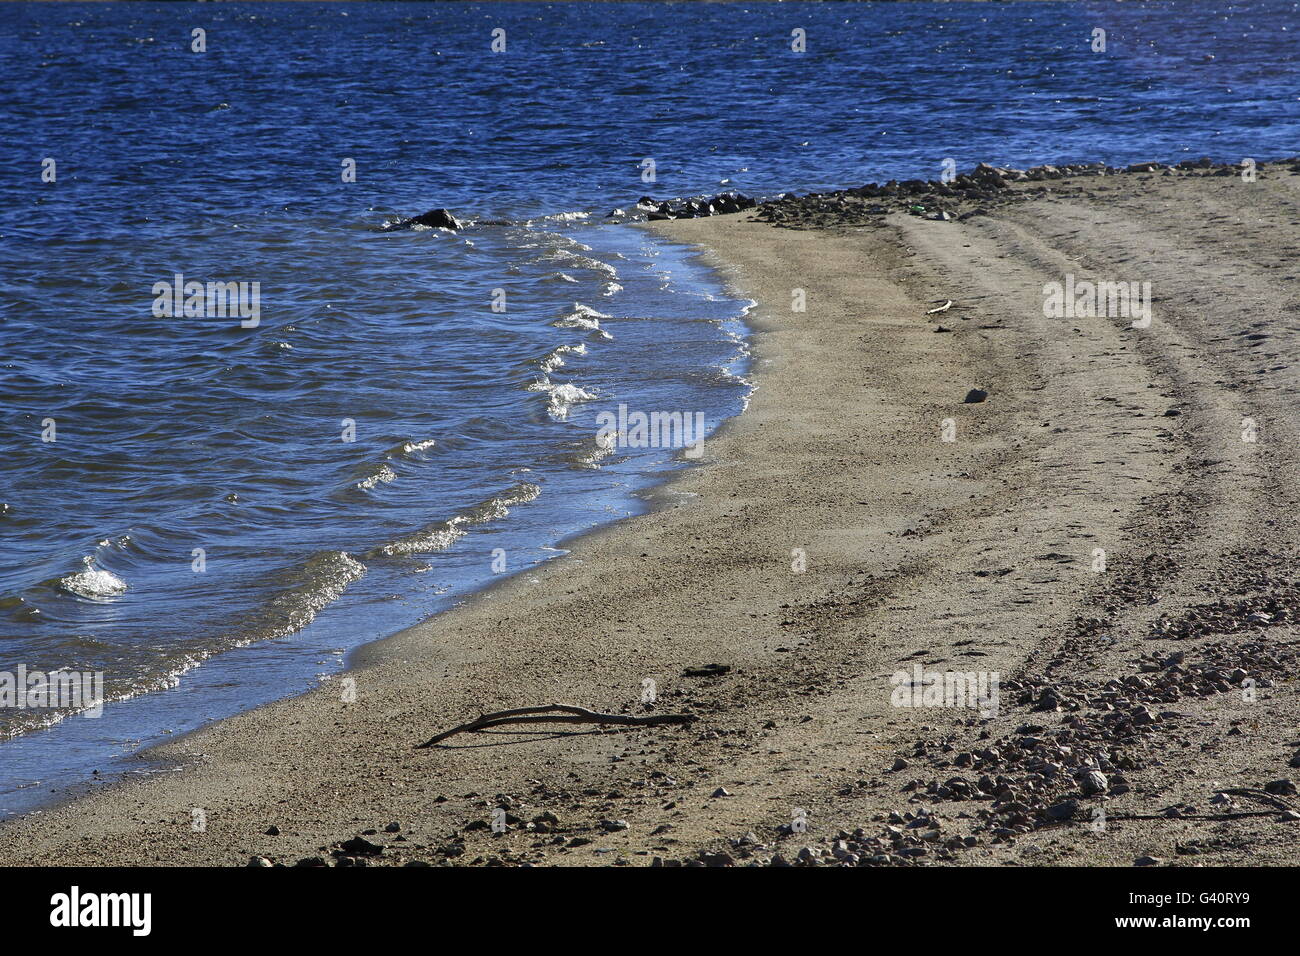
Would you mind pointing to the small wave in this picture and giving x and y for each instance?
(93, 582)
(555, 358)
(561, 398)
(323, 580)
(380, 477)
(559, 217)
(442, 535)
(584, 262)
(583, 317)
(594, 450)
(410, 447)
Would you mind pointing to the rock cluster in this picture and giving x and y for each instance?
(967, 194)
(720, 205)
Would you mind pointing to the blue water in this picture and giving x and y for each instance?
(472, 432)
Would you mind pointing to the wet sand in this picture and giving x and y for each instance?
(831, 537)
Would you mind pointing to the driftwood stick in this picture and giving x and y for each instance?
(557, 714)
(1261, 796)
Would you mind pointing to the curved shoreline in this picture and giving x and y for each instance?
(157, 756)
(973, 554)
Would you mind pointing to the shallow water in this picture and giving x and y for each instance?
(225, 511)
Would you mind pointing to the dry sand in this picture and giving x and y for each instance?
(977, 554)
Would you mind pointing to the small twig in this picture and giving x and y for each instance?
(567, 714)
(1191, 816)
(1261, 796)
(943, 308)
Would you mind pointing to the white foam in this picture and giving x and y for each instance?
(94, 583)
(583, 317)
(555, 358)
(561, 398)
(382, 476)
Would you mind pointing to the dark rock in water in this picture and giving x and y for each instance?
(660, 214)
(438, 218)
(975, 395)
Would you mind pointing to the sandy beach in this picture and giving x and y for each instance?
(1109, 531)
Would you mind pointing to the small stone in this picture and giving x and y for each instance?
(393, 828)
(1064, 810)
(722, 792)
(273, 830)
(975, 396)
(1281, 788)
(899, 764)
(360, 846)
(1147, 861)
(1093, 782)
(613, 826)
(259, 861)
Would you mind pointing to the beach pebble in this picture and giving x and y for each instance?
(1093, 782)
(259, 861)
(360, 846)
(613, 826)
(1281, 788)
(1063, 811)
(722, 792)
(974, 396)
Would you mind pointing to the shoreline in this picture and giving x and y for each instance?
(92, 744)
(836, 457)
